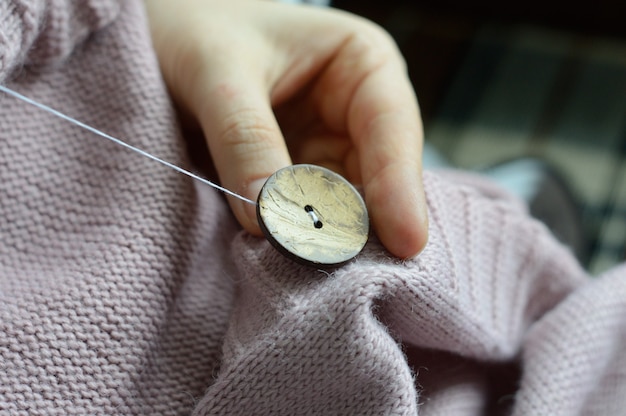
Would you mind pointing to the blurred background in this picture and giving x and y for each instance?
(532, 79)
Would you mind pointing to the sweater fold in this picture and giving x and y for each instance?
(128, 289)
(45, 32)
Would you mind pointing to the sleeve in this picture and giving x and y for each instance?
(39, 32)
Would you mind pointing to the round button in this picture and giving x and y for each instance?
(313, 215)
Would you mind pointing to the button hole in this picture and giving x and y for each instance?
(316, 221)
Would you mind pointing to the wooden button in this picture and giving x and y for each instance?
(313, 215)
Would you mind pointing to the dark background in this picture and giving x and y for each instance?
(434, 35)
(525, 79)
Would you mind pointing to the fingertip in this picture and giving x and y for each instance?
(407, 241)
(252, 192)
(248, 220)
(405, 238)
(398, 211)
(245, 211)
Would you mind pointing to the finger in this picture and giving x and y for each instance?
(243, 136)
(386, 126)
(368, 81)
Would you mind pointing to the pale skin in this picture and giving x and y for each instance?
(272, 84)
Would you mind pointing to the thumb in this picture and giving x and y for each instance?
(244, 138)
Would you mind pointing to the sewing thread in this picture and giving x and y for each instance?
(121, 143)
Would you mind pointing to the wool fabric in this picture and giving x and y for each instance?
(127, 288)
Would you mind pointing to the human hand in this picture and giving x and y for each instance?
(270, 83)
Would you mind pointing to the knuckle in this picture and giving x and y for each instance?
(372, 35)
(374, 45)
(248, 130)
(379, 34)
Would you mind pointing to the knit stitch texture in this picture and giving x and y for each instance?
(126, 288)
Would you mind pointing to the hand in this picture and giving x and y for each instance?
(270, 83)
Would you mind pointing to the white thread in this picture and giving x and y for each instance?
(313, 216)
(316, 221)
(122, 143)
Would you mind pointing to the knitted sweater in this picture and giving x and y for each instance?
(127, 288)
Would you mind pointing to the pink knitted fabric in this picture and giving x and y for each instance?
(126, 288)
